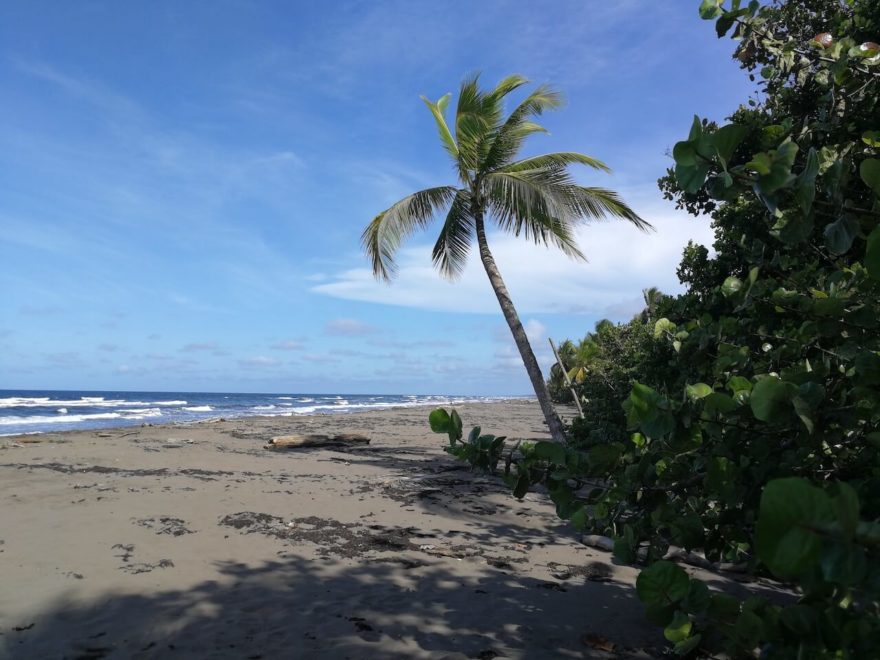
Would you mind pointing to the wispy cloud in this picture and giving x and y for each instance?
(622, 262)
(345, 327)
(259, 362)
(320, 357)
(288, 345)
(202, 347)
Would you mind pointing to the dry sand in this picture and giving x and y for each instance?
(195, 542)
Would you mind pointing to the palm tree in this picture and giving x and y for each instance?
(535, 197)
(653, 297)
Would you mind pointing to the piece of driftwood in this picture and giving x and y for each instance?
(315, 440)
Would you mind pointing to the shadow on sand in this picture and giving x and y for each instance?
(388, 607)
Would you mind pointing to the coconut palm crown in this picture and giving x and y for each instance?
(534, 197)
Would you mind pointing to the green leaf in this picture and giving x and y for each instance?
(648, 410)
(679, 628)
(691, 177)
(522, 486)
(698, 597)
(662, 583)
(793, 227)
(774, 168)
(663, 326)
(454, 425)
(871, 138)
(687, 646)
(872, 254)
(710, 9)
(723, 607)
(739, 384)
(698, 391)
(718, 402)
(840, 234)
(869, 170)
(550, 451)
(770, 397)
(805, 187)
(787, 536)
(726, 139)
(696, 131)
(723, 24)
(731, 287)
(580, 518)
(439, 420)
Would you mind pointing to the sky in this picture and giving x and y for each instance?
(183, 186)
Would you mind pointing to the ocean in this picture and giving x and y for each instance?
(41, 411)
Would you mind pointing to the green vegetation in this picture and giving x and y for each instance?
(535, 197)
(742, 421)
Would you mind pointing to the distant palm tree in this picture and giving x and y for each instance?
(536, 197)
(653, 297)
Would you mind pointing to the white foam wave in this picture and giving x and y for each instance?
(139, 413)
(43, 419)
(83, 402)
(285, 398)
(63, 411)
(198, 408)
(269, 407)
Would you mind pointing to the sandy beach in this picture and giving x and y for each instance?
(196, 541)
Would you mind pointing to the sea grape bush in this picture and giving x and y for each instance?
(482, 451)
(757, 439)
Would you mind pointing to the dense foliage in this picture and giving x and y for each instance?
(757, 443)
(602, 368)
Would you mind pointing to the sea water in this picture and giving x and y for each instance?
(41, 411)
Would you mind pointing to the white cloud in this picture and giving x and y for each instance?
(622, 262)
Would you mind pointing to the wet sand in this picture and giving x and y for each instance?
(195, 541)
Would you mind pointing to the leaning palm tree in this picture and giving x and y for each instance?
(535, 197)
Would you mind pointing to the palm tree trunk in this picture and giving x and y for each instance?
(519, 334)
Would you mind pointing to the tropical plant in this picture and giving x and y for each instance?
(758, 443)
(534, 197)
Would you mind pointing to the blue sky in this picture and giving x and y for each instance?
(183, 186)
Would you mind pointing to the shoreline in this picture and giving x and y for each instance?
(194, 541)
(25, 413)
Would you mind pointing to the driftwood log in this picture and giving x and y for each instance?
(303, 441)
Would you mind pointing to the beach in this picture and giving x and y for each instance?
(196, 541)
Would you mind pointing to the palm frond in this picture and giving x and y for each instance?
(438, 109)
(523, 205)
(517, 196)
(509, 137)
(472, 123)
(507, 85)
(451, 250)
(600, 203)
(384, 234)
(559, 159)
